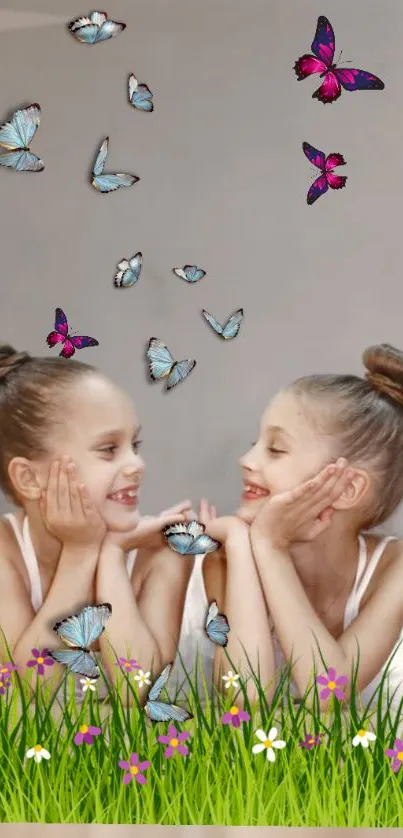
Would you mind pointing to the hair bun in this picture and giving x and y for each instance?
(10, 359)
(384, 365)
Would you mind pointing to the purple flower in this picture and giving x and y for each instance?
(3, 685)
(128, 665)
(234, 717)
(310, 741)
(86, 734)
(173, 740)
(396, 755)
(6, 668)
(41, 660)
(332, 684)
(134, 769)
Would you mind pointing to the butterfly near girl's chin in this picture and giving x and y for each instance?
(70, 342)
(327, 178)
(334, 78)
(189, 539)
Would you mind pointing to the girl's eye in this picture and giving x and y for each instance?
(275, 451)
(136, 444)
(108, 449)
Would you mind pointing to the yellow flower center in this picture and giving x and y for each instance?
(400, 756)
(268, 743)
(311, 741)
(83, 728)
(127, 665)
(234, 711)
(40, 660)
(174, 743)
(4, 669)
(38, 748)
(361, 732)
(134, 769)
(331, 685)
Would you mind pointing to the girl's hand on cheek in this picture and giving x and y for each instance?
(303, 513)
(221, 529)
(148, 533)
(67, 510)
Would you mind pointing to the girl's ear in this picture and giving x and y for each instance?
(25, 478)
(355, 491)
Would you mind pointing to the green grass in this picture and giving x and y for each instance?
(221, 783)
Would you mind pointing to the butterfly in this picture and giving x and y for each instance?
(334, 78)
(16, 136)
(128, 271)
(231, 327)
(160, 711)
(217, 626)
(95, 28)
(190, 539)
(108, 183)
(162, 365)
(140, 95)
(80, 631)
(191, 273)
(327, 177)
(61, 335)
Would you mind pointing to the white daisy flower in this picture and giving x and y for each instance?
(88, 684)
(363, 737)
(38, 753)
(269, 742)
(142, 678)
(230, 679)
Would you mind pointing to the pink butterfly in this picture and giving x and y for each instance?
(334, 78)
(61, 335)
(327, 177)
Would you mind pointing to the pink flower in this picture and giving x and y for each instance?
(134, 769)
(234, 717)
(311, 740)
(41, 659)
(396, 755)
(173, 740)
(332, 684)
(3, 685)
(128, 665)
(86, 734)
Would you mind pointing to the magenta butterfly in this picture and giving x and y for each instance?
(61, 335)
(327, 177)
(334, 78)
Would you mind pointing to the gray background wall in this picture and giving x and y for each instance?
(223, 185)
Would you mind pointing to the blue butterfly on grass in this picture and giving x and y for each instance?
(16, 136)
(189, 539)
(160, 711)
(217, 626)
(128, 271)
(162, 364)
(80, 631)
(95, 28)
(230, 328)
(140, 95)
(191, 273)
(108, 182)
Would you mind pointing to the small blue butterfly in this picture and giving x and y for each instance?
(128, 271)
(162, 364)
(108, 183)
(231, 327)
(16, 136)
(160, 711)
(95, 28)
(79, 632)
(217, 626)
(140, 95)
(189, 539)
(191, 273)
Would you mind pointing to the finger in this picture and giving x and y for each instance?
(204, 513)
(213, 512)
(190, 515)
(74, 491)
(63, 493)
(166, 520)
(85, 500)
(332, 488)
(179, 507)
(51, 502)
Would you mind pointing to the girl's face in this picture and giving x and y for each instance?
(101, 435)
(289, 451)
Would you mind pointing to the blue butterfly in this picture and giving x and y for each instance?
(16, 136)
(162, 365)
(95, 28)
(79, 632)
(189, 539)
(231, 327)
(217, 626)
(128, 271)
(160, 711)
(108, 183)
(140, 95)
(190, 272)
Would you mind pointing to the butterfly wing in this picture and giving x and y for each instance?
(111, 182)
(61, 329)
(180, 370)
(336, 181)
(22, 161)
(160, 360)
(84, 628)
(330, 89)
(204, 544)
(82, 341)
(191, 273)
(109, 29)
(323, 44)
(314, 156)
(333, 160)
(232, 325)
(96, 28)
(140, 95)
(78, 661)
(318, 188)
(217, 626)
(128, 271)
(159, 711)
(19, 132)
(352, 79)
(213, 322)
(156, 689)
(68, 349)
(100, 159)
(178, 538)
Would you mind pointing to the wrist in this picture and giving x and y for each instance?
(74, 551)
(267, 542)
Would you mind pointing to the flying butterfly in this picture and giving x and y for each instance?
(140, 95)
(16, 136)
(161, 364)
(160, 711)
(189, 539)
(327, 177)
(79, 632)
(334, 77)
(128, 271)
(95, 28)
(216, 626)
(108, 182)
(191, 273)
(61, 335)
(230, 328)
